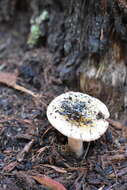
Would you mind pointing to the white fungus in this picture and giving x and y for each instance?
(78, 116)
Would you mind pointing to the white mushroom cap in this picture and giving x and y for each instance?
(78, 116)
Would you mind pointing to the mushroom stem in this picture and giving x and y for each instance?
(76, 146)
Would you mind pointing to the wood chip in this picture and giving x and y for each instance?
(25, 150)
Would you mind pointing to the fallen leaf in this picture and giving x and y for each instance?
(48, 182)
(10, 80)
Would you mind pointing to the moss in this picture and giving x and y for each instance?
(35, 31)
(34, 36)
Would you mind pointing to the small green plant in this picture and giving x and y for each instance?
(35, 32)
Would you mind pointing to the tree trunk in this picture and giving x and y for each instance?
(94, 49)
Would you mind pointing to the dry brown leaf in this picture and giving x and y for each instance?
(10, 80)
(48, 182)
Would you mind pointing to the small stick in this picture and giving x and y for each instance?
(86, 152)
(25, 150)
(21, 88)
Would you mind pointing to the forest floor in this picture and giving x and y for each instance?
(30, 148)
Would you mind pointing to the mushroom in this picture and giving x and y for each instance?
(78, 116)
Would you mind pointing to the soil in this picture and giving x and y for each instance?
(23, 123)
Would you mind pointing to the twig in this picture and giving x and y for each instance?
(60, 170)
(86, 152)
(25, 150)
(21, 88)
